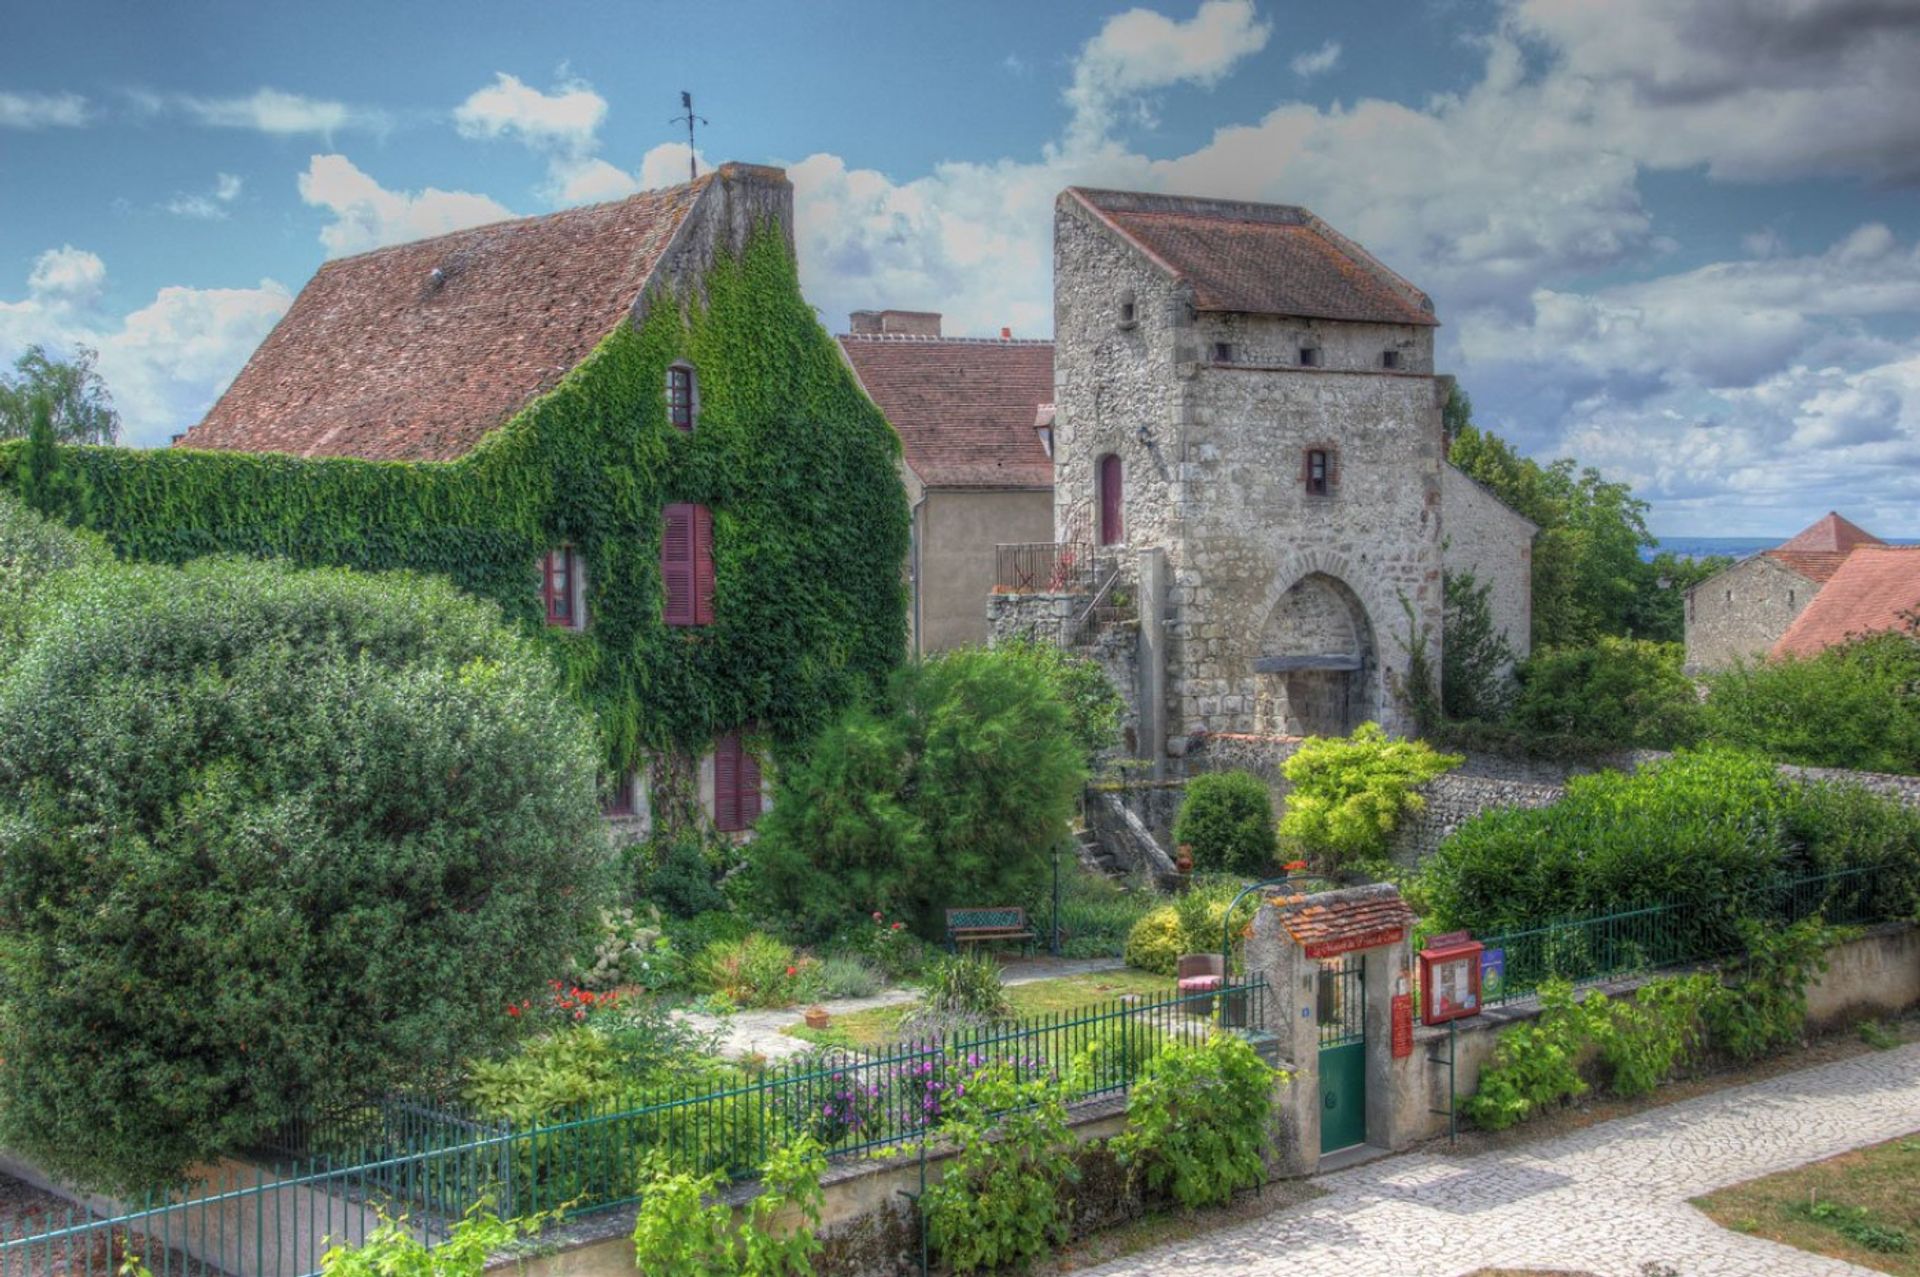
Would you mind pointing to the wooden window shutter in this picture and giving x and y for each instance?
(749, 786)
(1111, 532)
(726, 783)
(702, 565)
(677, 564)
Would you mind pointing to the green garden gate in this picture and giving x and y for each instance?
(1342, 1011)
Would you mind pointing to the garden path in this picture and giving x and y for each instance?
(758, 1032)
(1606, 1199)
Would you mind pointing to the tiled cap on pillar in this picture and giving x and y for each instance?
(1335, 922)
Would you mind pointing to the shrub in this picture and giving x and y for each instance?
(1854, 705)
(1197, 1121)
(1762, 1007)
(623, 1055)
(1002, 1198)
(1191, 924)
(1348, 794)
(679, 1232)
(1155, 943)
(1227, 820)
(954, 793)
(843, 977)
(622, 953)
(678, 875)
(1534, 1066)
(1643, 1041)
(1616, 693)
(33, 548)
(1097, 914)
(275, 841)
(757, 971)
(968, 985)
(393, 1248)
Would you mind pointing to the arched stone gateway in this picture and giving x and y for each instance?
(1318, 672)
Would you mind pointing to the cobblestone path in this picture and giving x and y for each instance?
(1604, 1200)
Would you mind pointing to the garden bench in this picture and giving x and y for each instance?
(984, 926)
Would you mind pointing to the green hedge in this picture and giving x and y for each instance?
(801, 470)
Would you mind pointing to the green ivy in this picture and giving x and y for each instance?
(799, 467)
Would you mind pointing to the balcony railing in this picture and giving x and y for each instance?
(1045, 567)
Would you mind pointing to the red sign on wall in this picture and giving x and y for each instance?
(1349, 944)
(1402, 1025)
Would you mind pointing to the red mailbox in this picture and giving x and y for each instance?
(1449, 978)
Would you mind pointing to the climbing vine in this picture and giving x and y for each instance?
(798, 466)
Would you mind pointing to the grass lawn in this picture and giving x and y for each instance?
(870, 1030)
(1862, 1207)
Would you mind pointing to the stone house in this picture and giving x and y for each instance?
(603, 476)
(1248, 436)
(977, 471)
(1831, 581)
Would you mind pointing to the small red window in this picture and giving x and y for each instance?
(559, 571)
(680, 397)
(686, 564)
(736, 784)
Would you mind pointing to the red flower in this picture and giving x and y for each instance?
(1294, 865)
(876, 915)
(512, 1009)
(897, 926)
(793, 971)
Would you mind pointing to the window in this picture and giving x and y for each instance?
(686, 564)
(1222, 352)
(620, 797)
(1108, 482)
(1128, 314)
(680, 401)
(560, 591)
(1320, 470)
(1309, 356)
(1389, 359)
(736, 784)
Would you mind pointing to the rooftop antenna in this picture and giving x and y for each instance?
(689, 119)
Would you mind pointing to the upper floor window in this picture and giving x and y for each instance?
(1319, 471)
(680, 397)
(1128, 315)
(736, 784)
(560, 591)
(686, 563)
(1222, 352)
(620, 800)
(1309, 356)
(1108, 481)
(1389, 359)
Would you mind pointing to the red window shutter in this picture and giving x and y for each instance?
(726, 783)
(749, 788)
(1111, 532)
(676, 563)
(702, 565)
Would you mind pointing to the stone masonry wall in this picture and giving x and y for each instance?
(1485, 538)
(1739, 613)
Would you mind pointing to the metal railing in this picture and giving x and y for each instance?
(430, 1165)
(1599, 947)
(1044, 567)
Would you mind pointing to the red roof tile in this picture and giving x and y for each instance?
(1332, 919)
(965, 408)
(1869, 592)
(1263, 259)
(382, 358)
(1816, 565)
(1830, 534)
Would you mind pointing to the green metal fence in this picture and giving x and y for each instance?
(1609, 946)
(431, 1163)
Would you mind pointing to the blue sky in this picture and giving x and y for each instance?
(1673, 238)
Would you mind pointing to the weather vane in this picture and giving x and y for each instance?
(690, 119)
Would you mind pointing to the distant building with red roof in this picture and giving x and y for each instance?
(1831, 582)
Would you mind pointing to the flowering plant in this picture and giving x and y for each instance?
(887, 944)
(564, 1002)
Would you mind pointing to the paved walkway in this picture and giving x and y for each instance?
(1606, 1200)
(759, 1032)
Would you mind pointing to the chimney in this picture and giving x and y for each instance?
(1006, 334)
(904, 323)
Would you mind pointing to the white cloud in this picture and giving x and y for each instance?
(1139, 52)
(565, 119)
(43, 110)
(166, 361)
(1318, 62)
(210, 205)
(270, 111)
(367, 215)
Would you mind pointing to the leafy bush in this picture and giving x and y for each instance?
(1156, 942)
(1855, 705)
(1197, 1120)
(246, 807)
(623, 1055)
(1762, 1007)
(1191, 924)
(840, 976)
(757, 971)
(965, 985)
(623, 953)
(1617, 693)
(33, 548)
(1093, 704)
(1002, 1199)
(1349, 794)
(1097, 914)
(954, 793)
(678, 875)
(887, 945)
(393, 1249)
(1534, 1066)
(1641, 1042)
(680, 1232)
(1227, 820)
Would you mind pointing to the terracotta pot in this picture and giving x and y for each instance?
(817, 1017)
(1184, 861)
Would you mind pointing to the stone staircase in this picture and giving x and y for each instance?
(1095, 855)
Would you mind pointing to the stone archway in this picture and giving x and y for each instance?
(1318, 670)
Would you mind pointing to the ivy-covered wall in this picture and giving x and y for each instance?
(798, 466)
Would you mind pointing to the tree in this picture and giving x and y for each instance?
(1476, 661)
(953, 792)
(1227, 818)
(1348, 793)
(80, 404)
(273, 842)
(1612, 694)
(1659, 609)
(1854, 705)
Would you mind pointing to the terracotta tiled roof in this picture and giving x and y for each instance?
(1816, 565)
(1830, 534)
(965, 408)
(1333, 918)
(1262, 259)
(382, 358)
(1868, 594)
